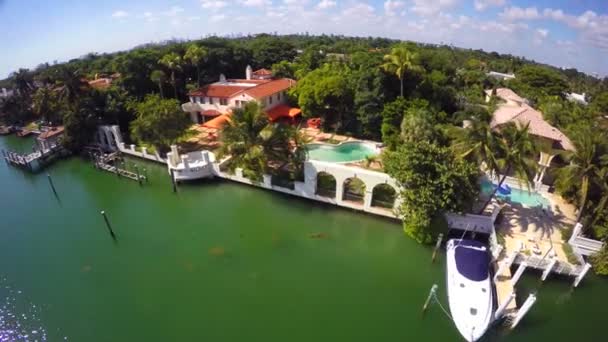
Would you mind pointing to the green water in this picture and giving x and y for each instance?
(228, 262)
(345, 152)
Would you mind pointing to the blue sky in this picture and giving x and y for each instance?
(564, 33)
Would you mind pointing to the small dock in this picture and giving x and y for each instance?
(109, 163)
(503, 282)
(32, 161)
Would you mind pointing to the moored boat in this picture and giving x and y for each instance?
(469, 287)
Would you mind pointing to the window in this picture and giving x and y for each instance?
(279, 96)
(223, 102)
(270, 99)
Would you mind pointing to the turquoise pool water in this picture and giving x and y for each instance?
(345, 152)
(525, 197)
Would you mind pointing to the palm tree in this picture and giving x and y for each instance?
(478, 143)
(252, 141)
(158, 77)
(173, 62)
(194, 55)
(24, 82)
(398, 62)
(585, 162)
(516, 151)
(72, 84)
(43, 103)
(601, 182)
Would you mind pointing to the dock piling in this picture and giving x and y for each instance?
(501, 309)
(173, 181)
(581, 275)
(52, 185)
(103, 213)
(524, 310)
(146, 174)
(519, 272)
(428, 299)
(548, 269)
(437, 245)
(137, 173)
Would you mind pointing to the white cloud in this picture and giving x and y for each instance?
(481, 5)
(518, 13)
(359, 10)
(120, 14)
(213, 4)
(217, 17)
(193, 18)
(173, 11)
(256, 3)
(325, 4)
(392, 7)
(542, 32)
(432, 7)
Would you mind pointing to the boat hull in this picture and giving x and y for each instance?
(469, 287)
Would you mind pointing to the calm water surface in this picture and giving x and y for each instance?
(227, 262)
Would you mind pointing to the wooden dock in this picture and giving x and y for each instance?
(504, 288)
(34, 160)
(105, 163)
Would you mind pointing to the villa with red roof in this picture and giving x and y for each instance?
(216, 99)
(516, 109)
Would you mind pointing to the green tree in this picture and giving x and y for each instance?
(584, 164)
(72, 85)
(432, 181)
(326, 92)
(159, 122)
(283, 69)
(252, 141)
(45, 104)
(173, 62)
(418, 125)
(195, 54)
(398, 62)
(517, 152)
(158, 77)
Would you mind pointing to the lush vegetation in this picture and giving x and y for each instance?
(403, 94)
(434, 181)
(255, 144)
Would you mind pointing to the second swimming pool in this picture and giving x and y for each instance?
(522, 196)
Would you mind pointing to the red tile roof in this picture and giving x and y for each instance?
(217, 122)
(283, 111)
(261, 88)
(51, 132)
(262, 72)
(218, 90)
(270, 87)
(211, 112)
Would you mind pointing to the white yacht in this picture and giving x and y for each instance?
(469, 287)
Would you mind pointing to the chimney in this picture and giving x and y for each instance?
(222, 78)
(248, 72)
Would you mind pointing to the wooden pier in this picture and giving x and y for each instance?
(105, 163)
(32, 161)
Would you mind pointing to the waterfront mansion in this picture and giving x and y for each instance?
(217, 99)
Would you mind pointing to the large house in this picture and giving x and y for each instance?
(216, 99)
(516, 109)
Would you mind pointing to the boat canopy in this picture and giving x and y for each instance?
(472, 260)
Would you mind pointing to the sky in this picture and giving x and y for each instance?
(564, 33)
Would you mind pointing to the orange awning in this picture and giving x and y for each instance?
(283, 111)
(217, 122)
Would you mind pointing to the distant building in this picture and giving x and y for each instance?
(103, 82)
(579, 98)
(48, 139)
(217, 99)
(500, 75)
(516, 110)
(6, 93)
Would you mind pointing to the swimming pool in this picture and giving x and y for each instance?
(522, 196)
(342, 153)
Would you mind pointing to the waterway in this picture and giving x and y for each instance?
(227, 262)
